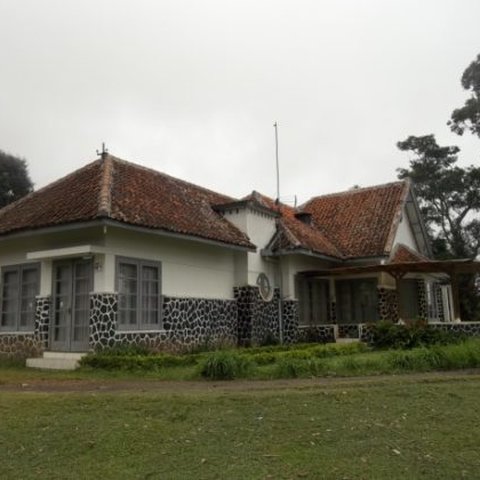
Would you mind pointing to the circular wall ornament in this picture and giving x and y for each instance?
(264, 287)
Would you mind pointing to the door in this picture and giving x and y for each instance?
(72, 284)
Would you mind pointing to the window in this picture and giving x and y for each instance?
(313, 301)
(20, 286)
(357, 300)
(138, 285)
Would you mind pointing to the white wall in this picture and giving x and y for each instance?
(260, 228)
(14, 251)
(405, 234)
(189, 268)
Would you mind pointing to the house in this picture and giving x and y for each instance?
(116, 253)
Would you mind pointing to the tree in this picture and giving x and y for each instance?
(449, 198)
(14, 178)
(468, 116)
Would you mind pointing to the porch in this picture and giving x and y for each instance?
(400, 292)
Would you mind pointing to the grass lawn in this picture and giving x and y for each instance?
(375, 430)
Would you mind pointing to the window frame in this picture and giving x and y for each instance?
(140, 324)
(351, 287)
(19, 269)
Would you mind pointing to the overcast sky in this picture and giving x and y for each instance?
(192, 88)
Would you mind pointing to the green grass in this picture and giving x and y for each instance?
(304, 362)
(393, 430)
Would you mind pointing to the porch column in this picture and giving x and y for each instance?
(394, 312)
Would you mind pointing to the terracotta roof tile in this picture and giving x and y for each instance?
(74, 198)
(145, 197)
(294, 234)
(126, 192)
(360, 222)
(403, 254)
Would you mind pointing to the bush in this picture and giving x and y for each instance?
(110, 361)
(124, 351)
(437, 357)
(224, 365)
(306, 353)
(416, 334)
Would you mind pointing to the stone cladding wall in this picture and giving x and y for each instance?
(187, 324)
(257, 319)
(42, 320)
(387, 304)
(28, 344)
(316, 333)
(348, 330)
(437, 289)
(422, 300)
(290, 321)
(20, 345)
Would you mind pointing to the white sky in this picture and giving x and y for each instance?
(192, 88)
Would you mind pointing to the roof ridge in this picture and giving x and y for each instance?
(21, 200)
(106, 185)
(354, 191)
(166, 175)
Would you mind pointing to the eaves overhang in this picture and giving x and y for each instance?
(449, 267)
(299, 251)
(106, 222)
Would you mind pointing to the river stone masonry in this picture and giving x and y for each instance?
(187, 323)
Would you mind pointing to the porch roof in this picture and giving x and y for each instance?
(399, 269)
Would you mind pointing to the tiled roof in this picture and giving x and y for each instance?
(403, 254)
(293, 234)
(118, 190)
(356, 223)
(360, 222)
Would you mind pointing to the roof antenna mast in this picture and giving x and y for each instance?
(275, 126)
(104, 151)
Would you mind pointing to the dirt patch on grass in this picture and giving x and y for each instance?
(237, 386)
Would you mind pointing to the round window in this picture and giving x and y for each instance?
(264, 287)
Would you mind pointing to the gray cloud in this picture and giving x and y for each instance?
(192, 88)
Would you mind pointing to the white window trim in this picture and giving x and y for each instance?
(30, 328)
(140, 326)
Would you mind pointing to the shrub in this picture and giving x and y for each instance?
(437, 357)
(109, 361)
(124, 351)
(224, 365)
(416, 334)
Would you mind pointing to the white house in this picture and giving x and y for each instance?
(117, 253)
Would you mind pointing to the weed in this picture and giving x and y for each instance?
(224, 365)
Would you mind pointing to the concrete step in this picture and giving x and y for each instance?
(347, 340)
(55, 361)
(65, 355)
